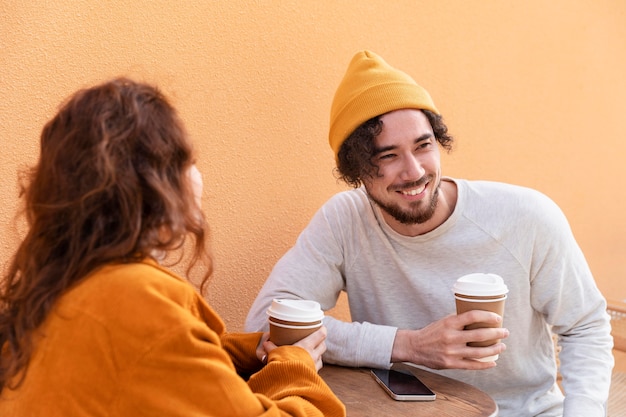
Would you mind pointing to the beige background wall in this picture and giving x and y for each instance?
(534, 92)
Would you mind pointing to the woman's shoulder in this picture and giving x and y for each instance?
(134, 292)
(139, 280)
(121, 314)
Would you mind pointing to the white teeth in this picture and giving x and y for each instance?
(413, 192)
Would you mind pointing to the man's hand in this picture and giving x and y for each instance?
(443, 344)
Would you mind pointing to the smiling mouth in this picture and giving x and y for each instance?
(414, 191)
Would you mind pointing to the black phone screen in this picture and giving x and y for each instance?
(403, 385)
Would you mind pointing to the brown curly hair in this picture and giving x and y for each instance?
(354, 160)
(111, 185)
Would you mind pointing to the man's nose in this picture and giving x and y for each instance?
(412, 169)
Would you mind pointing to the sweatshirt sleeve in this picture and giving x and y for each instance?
(564, 290)
(313, 270)
(359, 344)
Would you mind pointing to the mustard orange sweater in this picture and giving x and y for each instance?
(136, 340)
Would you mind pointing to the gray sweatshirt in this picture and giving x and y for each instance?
(399, 282)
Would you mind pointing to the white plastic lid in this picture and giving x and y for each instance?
(295, 310)
(480, 284)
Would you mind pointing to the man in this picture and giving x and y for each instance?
(397, 243)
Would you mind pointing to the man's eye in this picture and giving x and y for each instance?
(424, 145)
(386, 156)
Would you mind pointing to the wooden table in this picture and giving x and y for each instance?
(363, 397)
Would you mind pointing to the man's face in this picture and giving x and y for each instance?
(407, 154)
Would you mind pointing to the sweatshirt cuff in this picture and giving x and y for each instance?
(376, 345)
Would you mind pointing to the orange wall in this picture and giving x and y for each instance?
(534, 92)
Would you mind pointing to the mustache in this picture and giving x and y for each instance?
(413, 184)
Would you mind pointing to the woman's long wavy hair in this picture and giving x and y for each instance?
(354, 160)
(111, 185)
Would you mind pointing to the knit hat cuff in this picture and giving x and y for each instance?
(377, 100)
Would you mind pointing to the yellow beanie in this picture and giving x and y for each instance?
(369, 88)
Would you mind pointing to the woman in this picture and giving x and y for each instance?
(90, 323)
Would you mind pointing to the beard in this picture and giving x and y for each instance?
(419, 211)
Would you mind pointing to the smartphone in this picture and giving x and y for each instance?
(401, 386)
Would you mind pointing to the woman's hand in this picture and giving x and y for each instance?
(261, 351)
(315, 344)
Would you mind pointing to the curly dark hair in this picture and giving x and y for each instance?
(111, 185)
(354, 160)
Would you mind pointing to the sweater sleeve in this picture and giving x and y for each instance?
(187, 372)
(241, 348)
(290, 372)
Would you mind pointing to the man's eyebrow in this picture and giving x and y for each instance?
(384, 149)
(425, 136)
(419, 139)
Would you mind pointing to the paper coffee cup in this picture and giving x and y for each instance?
(292, 320)
(480, 291)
